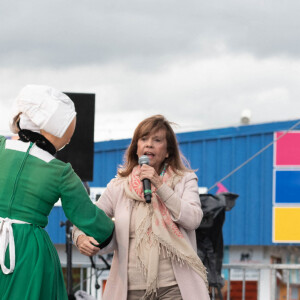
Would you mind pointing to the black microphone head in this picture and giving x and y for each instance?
(144, 159)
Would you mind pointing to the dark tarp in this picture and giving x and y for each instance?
(210, 236)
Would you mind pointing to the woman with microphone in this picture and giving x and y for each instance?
(154, 242)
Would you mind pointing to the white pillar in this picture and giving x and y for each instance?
(264, 284)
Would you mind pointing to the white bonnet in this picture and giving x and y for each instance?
(42, 107)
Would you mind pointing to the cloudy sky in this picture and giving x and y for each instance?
(199, 63)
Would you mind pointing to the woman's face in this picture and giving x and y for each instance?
(154, 145)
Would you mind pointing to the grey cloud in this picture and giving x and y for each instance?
(143, 34)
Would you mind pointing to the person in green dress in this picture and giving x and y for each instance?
(32, 180)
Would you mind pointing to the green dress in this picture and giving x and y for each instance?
(31, 182)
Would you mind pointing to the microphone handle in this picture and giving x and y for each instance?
(147, 190)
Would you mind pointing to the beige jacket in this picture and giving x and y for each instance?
(115, 204)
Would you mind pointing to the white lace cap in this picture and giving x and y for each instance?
(42, 107)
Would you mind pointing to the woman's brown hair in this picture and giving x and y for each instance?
(175, 160)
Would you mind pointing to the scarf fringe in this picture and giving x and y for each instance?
(175, 256)
(141, 265)
(182, 259)
(151, 291)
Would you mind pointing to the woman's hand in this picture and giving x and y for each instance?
(87, 245)
(150, 173)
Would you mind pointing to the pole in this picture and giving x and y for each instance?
(69, 225)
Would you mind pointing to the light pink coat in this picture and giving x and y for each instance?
(115, 204)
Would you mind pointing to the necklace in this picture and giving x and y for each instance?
(163, 170)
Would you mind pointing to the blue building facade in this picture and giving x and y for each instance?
(214, 154)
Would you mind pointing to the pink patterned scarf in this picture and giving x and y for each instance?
(155, 230)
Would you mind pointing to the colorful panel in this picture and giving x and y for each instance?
(286, 224)
(287, 186)
(287, 149)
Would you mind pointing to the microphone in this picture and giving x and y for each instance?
(144, 159)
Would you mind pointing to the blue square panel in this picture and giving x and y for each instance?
(287, 186)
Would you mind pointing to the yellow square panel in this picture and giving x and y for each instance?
(286, 224)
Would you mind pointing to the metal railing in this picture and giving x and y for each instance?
(90, 278)
(266, 276)
(272, 273)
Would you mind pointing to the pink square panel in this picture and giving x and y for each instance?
(287, 149)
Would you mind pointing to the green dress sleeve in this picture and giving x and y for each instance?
(80, 210)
